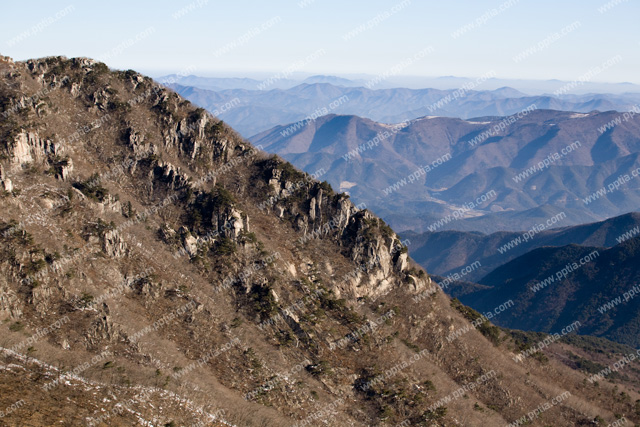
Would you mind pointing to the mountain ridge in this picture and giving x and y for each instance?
(145, 231)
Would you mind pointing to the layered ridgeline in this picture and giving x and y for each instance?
(252, 106)
(449, 253)
(159, 270)
(543, 274)
(486, 174)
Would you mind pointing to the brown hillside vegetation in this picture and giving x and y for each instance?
(154, 262)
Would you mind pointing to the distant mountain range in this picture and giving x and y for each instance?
(487, 174)
(270, 82)
(448, 252)
(278, 81)
(253, 106)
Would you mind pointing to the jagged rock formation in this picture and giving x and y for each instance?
(223, 275)
(113, 245)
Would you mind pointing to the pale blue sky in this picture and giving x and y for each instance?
(93, 28)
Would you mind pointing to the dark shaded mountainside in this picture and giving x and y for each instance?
(448, 252)
(431, 173)
(159, 270)
(553, 287)
(253, 106)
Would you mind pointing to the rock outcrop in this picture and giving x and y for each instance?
(371, 244)
(28, 147)
(5, 182)
(113, 244)
(10, 306)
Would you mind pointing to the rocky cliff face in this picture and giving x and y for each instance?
(137, 224)
(377, 251)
